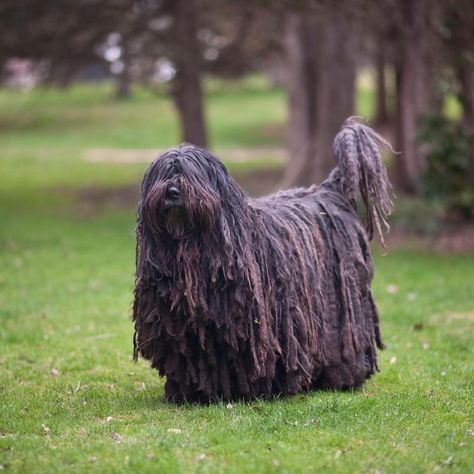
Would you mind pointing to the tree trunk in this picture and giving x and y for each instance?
(335, 84)
(320, 88)
(187, 91)
(466, 80)
(123, 84)
(300, 95)
(381, 113)
(412, 94)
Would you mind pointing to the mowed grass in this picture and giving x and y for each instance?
(71, 398)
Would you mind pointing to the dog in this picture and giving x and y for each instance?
(240, 298)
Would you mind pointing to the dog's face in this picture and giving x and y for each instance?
(182, 192)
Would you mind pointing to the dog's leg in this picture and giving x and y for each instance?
(345, 375)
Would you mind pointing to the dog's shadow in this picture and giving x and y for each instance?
(153, 398)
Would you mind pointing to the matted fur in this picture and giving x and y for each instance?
(239, 298)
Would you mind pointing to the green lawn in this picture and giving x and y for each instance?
(70, 397)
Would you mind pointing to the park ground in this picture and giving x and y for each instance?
(72, 400)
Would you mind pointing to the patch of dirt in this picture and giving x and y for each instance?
(259, 183)
(236, 155)
(468, 316)
(93, 200)
(453, 239)
(273, 131)
(457, 239)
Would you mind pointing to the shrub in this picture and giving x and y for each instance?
(449, 176)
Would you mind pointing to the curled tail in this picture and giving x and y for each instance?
(360, 171)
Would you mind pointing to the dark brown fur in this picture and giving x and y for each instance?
(239, 298)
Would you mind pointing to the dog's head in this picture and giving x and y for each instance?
(184, 191)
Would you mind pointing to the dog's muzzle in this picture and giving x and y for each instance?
(173, 193)
(173, 196)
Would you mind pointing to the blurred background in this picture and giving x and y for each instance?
(92, 90)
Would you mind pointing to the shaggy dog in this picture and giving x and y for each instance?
(239, 298)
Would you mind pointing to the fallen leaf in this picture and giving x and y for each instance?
(104, 421)
(448, 461)
(340, 452)
(201, 457)
(76, 388)
(117, 437)
(93, 459)
(54, 372)
(229, 406)
(425, 345)
(46, 429)
(411, 296)
(393, 360)
(275, 462)
(471, 431)
(392, 289)
(174, 430)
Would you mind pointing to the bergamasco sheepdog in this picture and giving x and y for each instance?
(240, 298)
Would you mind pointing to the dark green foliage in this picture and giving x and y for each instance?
(449, 176)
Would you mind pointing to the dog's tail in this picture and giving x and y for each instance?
(360, 171)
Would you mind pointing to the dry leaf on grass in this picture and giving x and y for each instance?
(117, 437)
(392, 289)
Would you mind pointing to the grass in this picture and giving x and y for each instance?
(72, 400)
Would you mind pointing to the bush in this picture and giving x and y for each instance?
(449, 176)
(416, 215)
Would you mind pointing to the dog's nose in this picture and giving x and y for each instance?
(173, 192)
